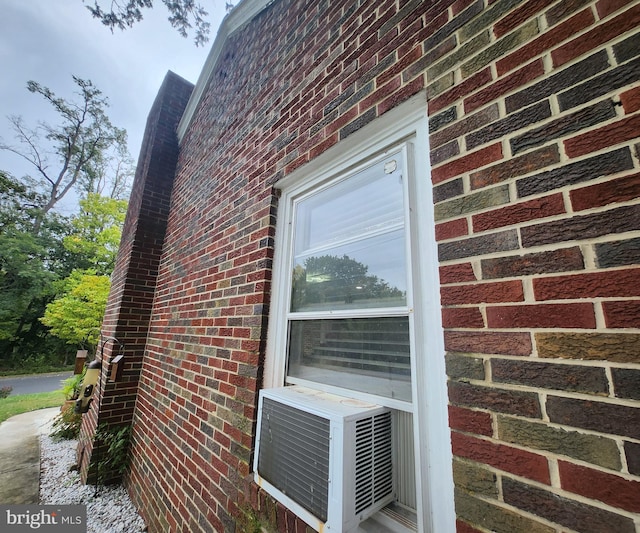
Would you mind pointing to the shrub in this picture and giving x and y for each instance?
(113, 455)
(72, 385)
(66, 425)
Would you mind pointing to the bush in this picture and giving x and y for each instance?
(113, 457)
(72, 385)
(66, 425)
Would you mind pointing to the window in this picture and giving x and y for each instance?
(355, 301)
(348, 319)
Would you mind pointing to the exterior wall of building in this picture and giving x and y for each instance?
(126, 323)
(534, 137)
(534, 117)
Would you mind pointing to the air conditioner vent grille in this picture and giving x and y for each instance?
(327, 458)
(294, 454)
(373, 469)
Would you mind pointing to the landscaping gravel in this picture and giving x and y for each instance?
(109, 509)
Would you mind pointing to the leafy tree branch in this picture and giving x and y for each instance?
(76, 153)
(184, 15)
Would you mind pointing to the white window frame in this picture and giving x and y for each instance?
(407, 123)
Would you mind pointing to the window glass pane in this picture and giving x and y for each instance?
(370, 201)
(349, 245)
(362, 274)
(364, 354)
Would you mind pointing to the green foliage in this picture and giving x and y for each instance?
(29, 265)
(40, 364)
(183, 15)
(18, 202)
(25, 282)
(113, 455)
(96, 231)
(250, 522)
(72, 385)
(67, 424)
(71, 154)
(24, 403)
(84, 152)
(76, 314)
(338, 280)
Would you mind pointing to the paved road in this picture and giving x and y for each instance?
(34, 383)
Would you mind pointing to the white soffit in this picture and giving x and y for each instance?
(239, 16)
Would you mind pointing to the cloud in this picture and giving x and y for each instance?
(48, 41)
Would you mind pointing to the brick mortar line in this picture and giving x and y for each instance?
(610, 331)
(529, 277)
(550, 454)
(619, 441)
(599, 313)
(555, 115)
(584, 299)
(554, 490)
(610, 383)
(587, 363)
(537, 221)
(544, 416)
(554, 472)
(510, 508)
(534, 249)
(613, 401)
(624, 465)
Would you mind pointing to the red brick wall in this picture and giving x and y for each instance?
(534, 117)
(534, 141)
(126, 323)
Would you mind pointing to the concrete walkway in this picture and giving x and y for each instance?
(20, 456)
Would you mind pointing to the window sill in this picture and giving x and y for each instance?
(393, 518)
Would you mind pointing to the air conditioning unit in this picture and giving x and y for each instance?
(327, 458)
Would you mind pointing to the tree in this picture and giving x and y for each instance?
(183, 16)
(96, 232)
(77, 311)
(40, 248)
(24, 281)
(29, 265)
(111, 174)
(18, 204)
(76, 315)
(82, 146)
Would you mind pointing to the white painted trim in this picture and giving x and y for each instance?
(433, 438)
(239, 16)
(407, 122)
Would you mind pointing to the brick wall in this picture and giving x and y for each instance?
(534, 114)
(126, 322)
(534, 141)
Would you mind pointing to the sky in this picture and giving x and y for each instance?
(48, 41)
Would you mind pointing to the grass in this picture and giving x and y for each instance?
(26, 371)
(23, 403)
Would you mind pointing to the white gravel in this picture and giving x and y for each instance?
(108, 511)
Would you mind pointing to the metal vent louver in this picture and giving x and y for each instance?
(294, 455)
(374, 468)
(325, 457)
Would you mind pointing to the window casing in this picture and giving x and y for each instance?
(355, 300)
